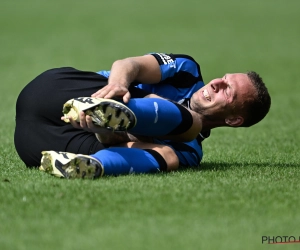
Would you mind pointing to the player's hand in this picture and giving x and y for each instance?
(85, 123)
(113, 91)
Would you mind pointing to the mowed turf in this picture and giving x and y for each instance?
(248, 184)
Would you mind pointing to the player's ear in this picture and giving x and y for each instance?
(234, 121)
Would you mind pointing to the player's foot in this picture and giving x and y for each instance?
(71, 166)
(105, 113)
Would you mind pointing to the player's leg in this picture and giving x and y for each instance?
(159, 117)
(143, 116)
(38, 112)
(188, 153)
(140, 158)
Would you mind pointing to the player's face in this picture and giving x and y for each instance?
(222, 97)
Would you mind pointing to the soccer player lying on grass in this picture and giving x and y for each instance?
(169, 128)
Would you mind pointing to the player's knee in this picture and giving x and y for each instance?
(165, 157)
(171, 159)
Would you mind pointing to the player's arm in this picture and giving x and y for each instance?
(110, 137)
(179, 70)
(123, 72)
(104, 135)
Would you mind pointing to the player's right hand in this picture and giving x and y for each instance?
(113, 91)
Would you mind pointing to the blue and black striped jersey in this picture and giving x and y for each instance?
(181, 77)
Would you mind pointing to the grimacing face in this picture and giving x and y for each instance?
(223, 97)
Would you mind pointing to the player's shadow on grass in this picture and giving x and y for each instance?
(223, 166)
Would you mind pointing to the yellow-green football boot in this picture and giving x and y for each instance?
(106, 113)
(71, 166)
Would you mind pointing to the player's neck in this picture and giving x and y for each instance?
(208, 123)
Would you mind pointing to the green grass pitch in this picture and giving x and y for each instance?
(248, 183)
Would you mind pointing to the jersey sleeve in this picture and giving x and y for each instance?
(179, 70)
(104, 73)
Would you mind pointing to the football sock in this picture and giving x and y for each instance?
(158, 117)
(118, 161)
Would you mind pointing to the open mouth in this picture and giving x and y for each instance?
(206, 95)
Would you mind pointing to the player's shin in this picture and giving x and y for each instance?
(159, 117)
(119, 161)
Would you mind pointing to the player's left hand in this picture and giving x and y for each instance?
(85, 123)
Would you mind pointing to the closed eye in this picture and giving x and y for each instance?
(228, 90)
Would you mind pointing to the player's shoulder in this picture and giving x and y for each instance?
(167, 58)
